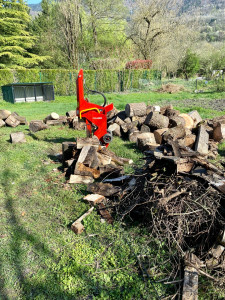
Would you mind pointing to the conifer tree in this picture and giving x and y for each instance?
(15, 40)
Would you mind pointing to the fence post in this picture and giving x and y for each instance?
(40, 75)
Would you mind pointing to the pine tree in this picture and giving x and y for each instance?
(15, 40)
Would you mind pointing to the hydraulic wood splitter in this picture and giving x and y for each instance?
(94, 115)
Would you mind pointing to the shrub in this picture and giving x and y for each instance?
(139, 64)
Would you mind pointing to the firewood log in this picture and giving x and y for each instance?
(202, 141)
(159, 135)
(135, 109)
(35, 126)
(156, 120)
(195, 116)
(4, 114)
(174, 133)
(189, 122)
(11, 121)
(218, 131)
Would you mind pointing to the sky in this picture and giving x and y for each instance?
(33, 1)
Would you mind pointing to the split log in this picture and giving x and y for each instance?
(112, 113)
(170, 112)
(17, 137)
(77, 226)
(218, 132)
(190, 284)
(144, 138)
(156, 120)
(202, 141)
(78, 124)
(145, 128)
(81, 169)
(217, 251)
(158, 133)
(176, 121)
(12, 122)
(127, 120)
(115, 129)
(94, 198)
(187, 141)
(81, 142)
(71, 113)
(195, 116)
(68, 151)
(22, 120)
(111, 170)
(81, 179)
(134, 135)
(68, 163)
(174, 133)
(116, 159)
(84, 153)
(129, 127)
(184, 165)
(105, 189)
(4, 114)
(104, 159)
(140, 120)
(35, 126)
(136, 109)
(119, 121)
(189, 122)
(105, 213)
(2, 123)
(91, 159)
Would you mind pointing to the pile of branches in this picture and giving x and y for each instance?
(183, 211)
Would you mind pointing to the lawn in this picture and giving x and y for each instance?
(40, 257)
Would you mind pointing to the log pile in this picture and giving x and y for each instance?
(85, 160)
(11, 119)
(151, 127)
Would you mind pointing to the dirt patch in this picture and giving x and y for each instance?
(171, 88)
(214, 104)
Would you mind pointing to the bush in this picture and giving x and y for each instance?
(139, 64)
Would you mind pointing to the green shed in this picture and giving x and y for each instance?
(28, 92)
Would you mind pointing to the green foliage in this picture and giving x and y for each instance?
(101, 80)
(190, 65)
(15, 39)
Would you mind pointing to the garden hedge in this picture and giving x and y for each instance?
(65, 80)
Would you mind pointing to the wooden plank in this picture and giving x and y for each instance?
(94, 198)
(80, 179)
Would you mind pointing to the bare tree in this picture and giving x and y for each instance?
(151, 22)
(70, 25)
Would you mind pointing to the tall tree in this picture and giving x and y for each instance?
(47, 30)
(70, 25)
(152, 21)
(15, 40)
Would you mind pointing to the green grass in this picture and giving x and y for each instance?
(40, 257)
